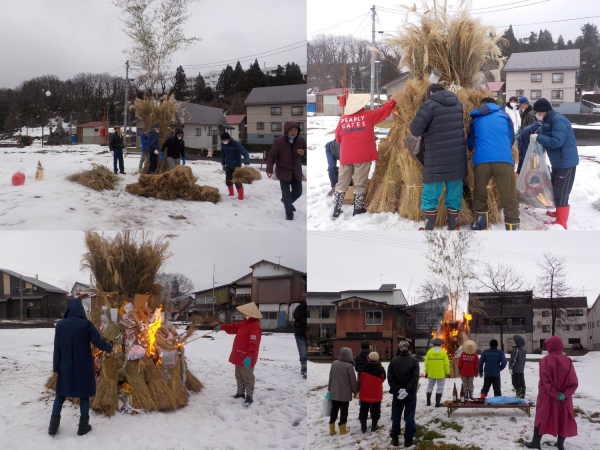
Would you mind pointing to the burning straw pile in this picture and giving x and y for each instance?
(177, 183)
(457, 46)
(98, 178)
(147, 370)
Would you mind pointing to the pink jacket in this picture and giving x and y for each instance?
(557, 375)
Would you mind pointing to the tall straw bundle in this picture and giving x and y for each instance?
(162, 395)
(383, 149)
(106, 400)
(113, 333)
(176, 383)
(191, 382)
(127, 263)
(141, 397)
(99, 178)
(51, 383)
(245, 175)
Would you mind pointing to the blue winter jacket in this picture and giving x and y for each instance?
(231, 154)
(491, 134)
(72, 355)
(494, 361)
(524, 138)
(558, 138)
(153, 142)
(144, 142)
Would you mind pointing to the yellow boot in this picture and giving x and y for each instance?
(343, 429)
(331, 429)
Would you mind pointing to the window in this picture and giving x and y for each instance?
(557, 95)
(578, 327)
(260, 136)
(308, 314)
(275, 111)
(260, 125)
(301, 126)
(373, 317)
(598, 323)
(536, 94)
(536, 77)
(574, 341)
(545, 313)
(575, 312)
(400, 321)
(297, 110)
(520, 93)
(276, 126)
(557, 77)
(593, 324)
(545, 328)
(325, 314)
(566, 327)
(198, 131)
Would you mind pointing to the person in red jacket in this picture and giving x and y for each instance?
(371, 391)
(244, 353)
(356, 134)
(468, 364)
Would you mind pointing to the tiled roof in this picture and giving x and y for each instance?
(551, 60)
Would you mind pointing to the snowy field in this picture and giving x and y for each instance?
(321, 129)
(213, 420)
(489, 430)
(57, 204)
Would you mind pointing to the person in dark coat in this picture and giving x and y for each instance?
(144, 145)
(371, 391)
(558, 139)
(361, 359)
(492, 136)
(116, 146)
(527, 114)
(175, 149)
(491, 363)
(403, 378)
(332, 151)
(286, 153)
(440, 120)
(73, 363)
(153, 148)
(300, 328)
(231, 158)
(516, 367)
(524, 138)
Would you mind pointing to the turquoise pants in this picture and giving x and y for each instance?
(433, 191)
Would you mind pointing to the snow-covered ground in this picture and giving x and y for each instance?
(213, 420)
(55, 203)
(489, 430)
(321, 129)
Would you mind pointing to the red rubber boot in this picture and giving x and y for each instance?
(230, 191)
(240, 193)
(551, 213)
(562, 215)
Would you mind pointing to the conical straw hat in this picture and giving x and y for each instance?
(356, 102)
(250, 309)
(469, 347)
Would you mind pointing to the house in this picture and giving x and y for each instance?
(212, 78)
(79, 287)
(593, 322)
(496, 88)
(387, 293)
(219, 302)
(360, 319)
(321, 311)
(395, 85)
(509, 312)
(328, 103)
(425, 318)
(238, 122)
(550, 74)
(92, 133)
(40, 300)
(311, 104)
(570, 324)
(268, 108)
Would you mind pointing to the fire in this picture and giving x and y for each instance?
(152, 329)
(453, 332)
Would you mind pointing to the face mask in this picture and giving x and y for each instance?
(513, 105)
(225, 142)
(247, 317)
(178, 137)
(539, 118)
(291, 138)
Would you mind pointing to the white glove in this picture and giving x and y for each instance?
(112, 153)
(247, 165)
(534, 137)
(156, 152)
(402, 394)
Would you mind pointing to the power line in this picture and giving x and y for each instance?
(551, 21)
(497, 6)
(339, 24)
(515, 7)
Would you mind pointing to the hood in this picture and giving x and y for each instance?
(178, 131)
(289, 125)
(445, 98)
(74, 309)
(554, 345)
(346, 355)
(484, 110)
(519, 340)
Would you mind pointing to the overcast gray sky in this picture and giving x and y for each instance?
(355, 260)
(322, 15)
(65, 37)
(55, 255)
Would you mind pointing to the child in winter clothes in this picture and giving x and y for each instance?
(517, 365)
(468, 362)
(437, 368)
(341, 387)
(371, 380)
(494, 362)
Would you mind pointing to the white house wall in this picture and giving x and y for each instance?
(539, 321)
(593, 332)
(269, 270)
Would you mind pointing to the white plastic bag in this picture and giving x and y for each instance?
(326, 408)
(169, 357)
(137, 352)
(402, 394)
(533, 185)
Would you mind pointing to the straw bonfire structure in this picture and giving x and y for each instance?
(453, 330)
(455, 45)
(147, 369)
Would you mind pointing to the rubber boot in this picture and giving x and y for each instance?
(343, 429)
(230, 191)
(512, 224)
(551, 213)
(363, 426)
(560, 443)
(84, 426)
(240, 193)
(331, 429)
(429, 216)
(359, 204)
(332, 191)
(395, 442)
(482, 220)
(453, 219)
(241, 391)
(54, 424)
(338, 201)
(562, 215)
(535, 442)
(438, 400)
(429, 399)
(249, 395)
(410, 441)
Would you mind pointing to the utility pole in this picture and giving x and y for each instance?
(126, 97)
(373, 57)
(70, 127)
(214, 299)
(21, 294)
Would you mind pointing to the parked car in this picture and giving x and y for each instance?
(577, 347)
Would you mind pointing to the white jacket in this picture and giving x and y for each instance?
(515, 116)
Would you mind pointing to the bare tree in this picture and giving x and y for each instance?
(552, 285)
(176, 286)
(434, 301)
(501, 279)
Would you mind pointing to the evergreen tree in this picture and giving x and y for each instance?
(237, 77)
(254, 77)
(208, 95)
(199, 87)
(560, 44)
(180, 89)
(590, 55)
(570, 44)
(279, 78)
(225, 83)
(545, 41)
(293, 74)
(532, 44)
(510, 44)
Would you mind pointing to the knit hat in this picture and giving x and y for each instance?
(373, 356)
(117, 127)
(485, 100)
(542, 105)
(523, 100)
(403, 346)
(250, 309)
(156, 125)
(469, 347)
(225, 136)
(365, 345)
(493, 343)
(356, 102)
(437, 341)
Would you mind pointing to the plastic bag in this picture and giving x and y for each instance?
(505, 401)
(136, 352)
(169, 357)
(533, 185)
(18, 179)
(326, 408)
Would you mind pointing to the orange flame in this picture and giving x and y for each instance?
(453, 331)
(152, 329)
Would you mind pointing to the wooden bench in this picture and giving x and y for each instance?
(453, 406)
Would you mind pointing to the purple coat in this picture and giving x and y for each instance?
(285, 155)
